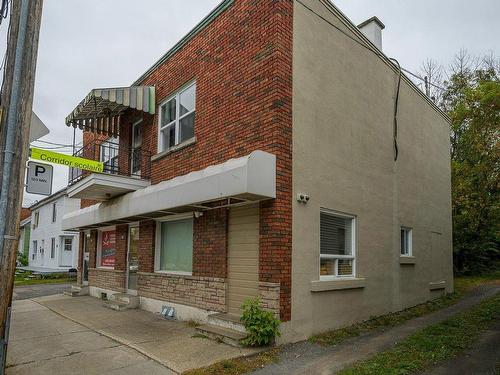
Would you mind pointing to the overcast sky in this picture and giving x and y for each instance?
(106, 43)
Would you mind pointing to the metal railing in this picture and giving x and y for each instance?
(117, 159)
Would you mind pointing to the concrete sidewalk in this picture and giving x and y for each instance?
(309, 358)
(44, 343)
(173, 344)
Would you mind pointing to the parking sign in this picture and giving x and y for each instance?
(39, 178)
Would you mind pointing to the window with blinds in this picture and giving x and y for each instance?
(336, 245)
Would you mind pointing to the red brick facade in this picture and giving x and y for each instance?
(242, 64)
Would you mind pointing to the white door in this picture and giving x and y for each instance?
(243, 257)
(66, 252)
(135, 156)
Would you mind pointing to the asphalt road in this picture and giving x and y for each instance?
(39, 290)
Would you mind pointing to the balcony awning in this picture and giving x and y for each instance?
(248, 179)
(101, 110)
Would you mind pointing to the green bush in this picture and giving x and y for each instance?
(23, 259)
(261, 325)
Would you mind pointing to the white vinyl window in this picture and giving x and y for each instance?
(176, 122)
(406, 241)
(36, 219)
(68, 244)
(52, 248)
(174, 250)
(35, 248)
(337, 245)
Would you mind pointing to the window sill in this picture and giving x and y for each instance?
(173, 273)
(404, 259)
(337, 284)
(173, 149)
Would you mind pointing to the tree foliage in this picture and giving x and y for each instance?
(471, 97)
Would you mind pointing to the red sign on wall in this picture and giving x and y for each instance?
(108, 248)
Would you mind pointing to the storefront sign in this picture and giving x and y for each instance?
(108, 248)
(67, 160)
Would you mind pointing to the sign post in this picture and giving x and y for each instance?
(39, 178)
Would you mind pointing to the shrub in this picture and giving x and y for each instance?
(261, 325)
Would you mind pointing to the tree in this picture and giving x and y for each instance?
(472, 100)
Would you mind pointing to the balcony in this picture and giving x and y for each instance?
(126, 169)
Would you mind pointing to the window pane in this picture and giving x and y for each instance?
(187, 128)
(177, 246)
(187, 100)
(327, 267)
(137, 136)
(168, 137)
(168, 112)
(345, 267)
(403, 242)
(335, 234)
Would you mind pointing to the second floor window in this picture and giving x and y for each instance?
(36, 219)
(54, 212)
(177, 118)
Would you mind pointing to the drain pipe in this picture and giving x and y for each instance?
(10, 126)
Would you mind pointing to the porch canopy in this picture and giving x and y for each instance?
(248, 179)
(101, 110)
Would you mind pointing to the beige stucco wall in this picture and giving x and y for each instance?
(343, 102)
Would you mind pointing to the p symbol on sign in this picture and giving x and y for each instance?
(39, 170)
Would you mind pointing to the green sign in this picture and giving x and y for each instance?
(67, 160)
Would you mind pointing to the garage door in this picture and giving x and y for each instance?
(243, 256)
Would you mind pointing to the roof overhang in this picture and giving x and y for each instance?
(248, 179)
(101, 110)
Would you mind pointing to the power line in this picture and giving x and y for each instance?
(376, 52)
(57, 144)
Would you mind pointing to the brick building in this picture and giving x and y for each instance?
(256, 159)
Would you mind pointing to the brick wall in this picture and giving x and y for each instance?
(107, 279)
(79, 266)
(210, 244)
(242, 64)
(145, 252)
(203, 292)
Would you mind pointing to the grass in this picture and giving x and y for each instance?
(22, 279)
(433, 344)
(462, 285)
(240, 365)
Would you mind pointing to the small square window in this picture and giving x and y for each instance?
(406, 241)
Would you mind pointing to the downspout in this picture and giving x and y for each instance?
(10, 126)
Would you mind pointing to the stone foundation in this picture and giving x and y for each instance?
(107, 279)
(208, 293)
(269, 294)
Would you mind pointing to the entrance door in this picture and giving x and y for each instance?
(135, 161)
(86, 259)
(243, 257)
(132, 259)
(66, 252)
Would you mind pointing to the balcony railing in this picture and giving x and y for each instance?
(117, 159)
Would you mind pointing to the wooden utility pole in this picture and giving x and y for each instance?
(16, 108)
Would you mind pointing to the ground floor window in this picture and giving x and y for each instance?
(406, 234)
(337, 245)
(107, 248)
(175, 246)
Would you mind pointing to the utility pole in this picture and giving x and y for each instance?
(16, 108)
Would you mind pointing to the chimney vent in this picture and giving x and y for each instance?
(372, 28)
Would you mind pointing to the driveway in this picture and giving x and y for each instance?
(39, 290)
(43, 342)
(56, 334)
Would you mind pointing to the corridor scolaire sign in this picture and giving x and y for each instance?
(67, 160)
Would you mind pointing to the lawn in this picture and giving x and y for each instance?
(21, 278)
(433, 344)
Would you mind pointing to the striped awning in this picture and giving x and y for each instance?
(101, 110)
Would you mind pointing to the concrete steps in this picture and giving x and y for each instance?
(77, 290)
(226, 328)
(122, 301)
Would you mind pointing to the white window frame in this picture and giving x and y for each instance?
(337, 257)
(409, 232)
(99, 247)
(35, 247)
(176, 122)
(36, 219)
(54, 212)
(188, 215)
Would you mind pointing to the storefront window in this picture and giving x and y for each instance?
(108, 248)
(176, 246)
